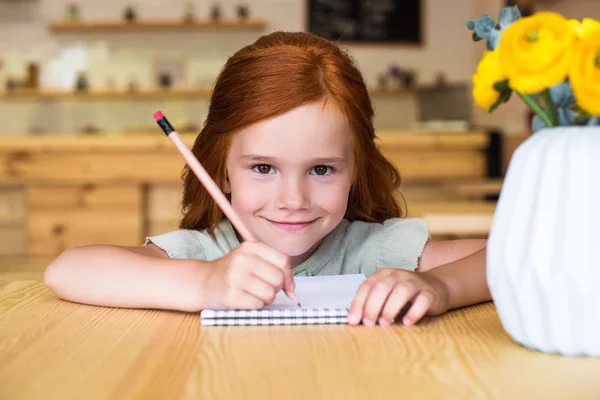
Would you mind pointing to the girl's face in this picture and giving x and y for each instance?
(290, 177)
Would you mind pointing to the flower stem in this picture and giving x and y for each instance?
(536, 108)
(551, 107)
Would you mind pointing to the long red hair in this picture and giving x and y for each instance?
(277, 73)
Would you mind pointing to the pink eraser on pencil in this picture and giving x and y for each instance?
(158, 115)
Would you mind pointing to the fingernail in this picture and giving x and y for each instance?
(368, 322)
(352, 319)
(383, 321)
(406, 321)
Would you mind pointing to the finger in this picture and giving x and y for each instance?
(355, 314)
(420, 306)
(269, 273)
(259, 289)
(245, 301)
(377, 299)
(396, 301)
(267, 253)
(278, 259)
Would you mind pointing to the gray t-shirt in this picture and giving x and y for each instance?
(351, 248)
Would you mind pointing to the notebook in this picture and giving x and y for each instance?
(324, 299)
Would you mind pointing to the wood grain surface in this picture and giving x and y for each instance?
(54, 349)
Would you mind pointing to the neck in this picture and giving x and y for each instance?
(297, 260)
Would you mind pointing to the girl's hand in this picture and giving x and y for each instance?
(247, 278)
(384, 294)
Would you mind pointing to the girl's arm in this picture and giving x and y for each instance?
(129, 277)
(464, 280)
(461, 266)
(248, 277)
(451, 274)
(440, 252)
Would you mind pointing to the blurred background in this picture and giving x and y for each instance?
(82, 161)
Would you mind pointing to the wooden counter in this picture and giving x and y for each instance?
(118, 189)
(76, 159)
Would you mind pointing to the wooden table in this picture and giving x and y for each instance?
(55, 349)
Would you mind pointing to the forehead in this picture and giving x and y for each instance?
(315, 129)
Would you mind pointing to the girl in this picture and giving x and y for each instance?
(289, 138)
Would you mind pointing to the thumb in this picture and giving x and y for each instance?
(278, 259)
(289, 285)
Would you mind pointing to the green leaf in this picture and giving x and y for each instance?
(507, 16)
(578, 110)
(503, 98)
(493, 39)
(484, 25)
(495, 105)
(501, 86)
(581, 119)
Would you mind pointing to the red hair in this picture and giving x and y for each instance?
(279, 72)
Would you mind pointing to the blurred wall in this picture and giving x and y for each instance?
(120, 58)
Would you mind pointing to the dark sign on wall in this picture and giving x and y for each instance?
(387, 21)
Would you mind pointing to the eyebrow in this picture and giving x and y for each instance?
(321, 160)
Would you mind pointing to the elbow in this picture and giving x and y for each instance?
(55, 274)
(51, 278)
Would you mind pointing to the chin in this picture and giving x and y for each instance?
(292, 249)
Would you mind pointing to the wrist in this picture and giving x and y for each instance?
(443, 289)
(194, 281)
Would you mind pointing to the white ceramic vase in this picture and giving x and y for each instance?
(543, 255)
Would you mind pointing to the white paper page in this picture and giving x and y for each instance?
(335, 291)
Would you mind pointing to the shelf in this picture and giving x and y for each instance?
(27, 94)
(396, 141)
(375, 91)
(103, 94)
(155, 25)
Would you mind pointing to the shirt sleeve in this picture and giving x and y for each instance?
(401, 243)
(181, 243)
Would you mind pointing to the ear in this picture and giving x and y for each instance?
(226, 185)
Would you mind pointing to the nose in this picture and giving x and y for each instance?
(292, 194)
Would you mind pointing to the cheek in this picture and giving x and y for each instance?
(246, 195)
(335, 198)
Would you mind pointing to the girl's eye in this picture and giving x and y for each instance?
(263, 169)
(322, 170)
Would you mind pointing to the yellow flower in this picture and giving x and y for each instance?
(535, 52)
(584, 74)
(489, 72)
(584, 28)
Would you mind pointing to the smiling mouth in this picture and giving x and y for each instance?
(291, 226)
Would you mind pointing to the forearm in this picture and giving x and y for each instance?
(117, 277)
(464, 279)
